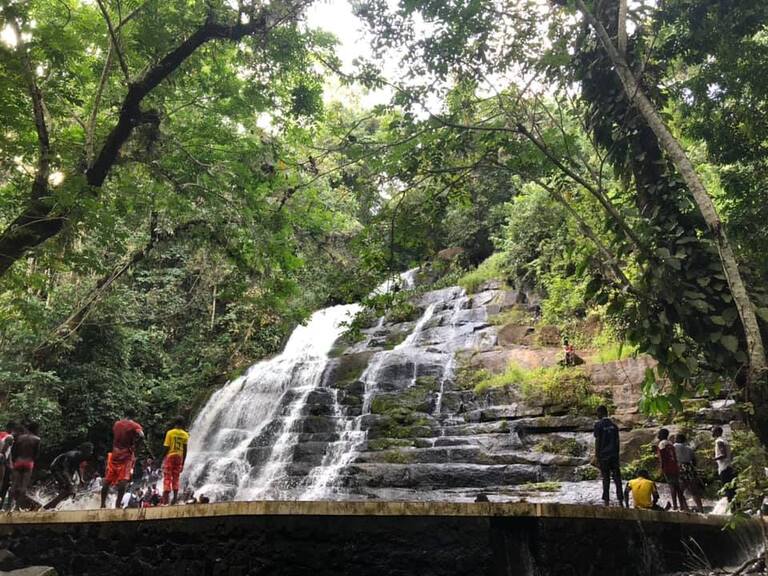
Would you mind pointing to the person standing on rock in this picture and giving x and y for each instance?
(64, 468)
(25, 451)
(670, 469)
(689, 476)
(607, 454)
(176, 440)
(127, 434)
(724, 461)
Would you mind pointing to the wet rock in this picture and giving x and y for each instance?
(309, 452)
(319, 403)
(428, 476)
(634, 441)
(395, 376)
(346, 370)
(316, 424)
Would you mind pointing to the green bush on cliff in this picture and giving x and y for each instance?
(560, 445)
(493, 268)
(555, 385)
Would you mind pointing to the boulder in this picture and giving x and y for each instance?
(8, 560)
(504, 412)
(633, 442)
(630, 371)
(514, 334)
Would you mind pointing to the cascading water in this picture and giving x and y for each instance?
(244, 440)
(450, 333)
(247, 408)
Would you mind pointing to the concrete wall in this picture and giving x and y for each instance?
(370, 539)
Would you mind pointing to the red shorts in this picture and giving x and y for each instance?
(172, 467)
(118, 471)
(23, 464)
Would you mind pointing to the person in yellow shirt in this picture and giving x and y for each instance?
(644, 493)
(176, 440)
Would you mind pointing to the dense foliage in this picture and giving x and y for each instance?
(177, 192)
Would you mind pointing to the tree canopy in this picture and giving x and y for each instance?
(179, 187)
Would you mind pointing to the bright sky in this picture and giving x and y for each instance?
(336, 16)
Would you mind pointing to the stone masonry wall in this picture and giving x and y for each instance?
(373, 545)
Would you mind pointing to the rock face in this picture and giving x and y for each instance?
(411, 409)
(425, 430)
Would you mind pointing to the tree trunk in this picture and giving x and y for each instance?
(756, 378)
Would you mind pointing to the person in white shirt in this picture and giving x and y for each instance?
(724, 461)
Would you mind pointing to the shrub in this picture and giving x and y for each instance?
(491, 269)
(749, 462)
(615, 351)
(560, 445)
(557, 385)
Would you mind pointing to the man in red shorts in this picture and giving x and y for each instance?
(127, 435)
(176, 440)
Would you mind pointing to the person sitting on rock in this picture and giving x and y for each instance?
(65, 468)
(607, 454)
(645, 496)
(570, 354)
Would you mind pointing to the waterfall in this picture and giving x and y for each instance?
(242, 442)
(247, 409)
(455, 332)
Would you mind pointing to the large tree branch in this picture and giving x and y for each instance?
(573, 175)
(40, 185)
(115, 41)
(610, 260)
(40, 220)
(130, 112)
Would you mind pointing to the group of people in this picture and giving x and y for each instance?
(677, 463)
(20, 449)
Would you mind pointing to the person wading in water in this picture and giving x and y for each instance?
(64, 469)
(127, 434)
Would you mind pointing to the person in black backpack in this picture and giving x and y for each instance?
(607, 454)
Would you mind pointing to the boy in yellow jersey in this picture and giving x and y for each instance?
(644, 493)
(176, 440)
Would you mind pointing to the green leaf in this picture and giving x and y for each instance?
(730, 343)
